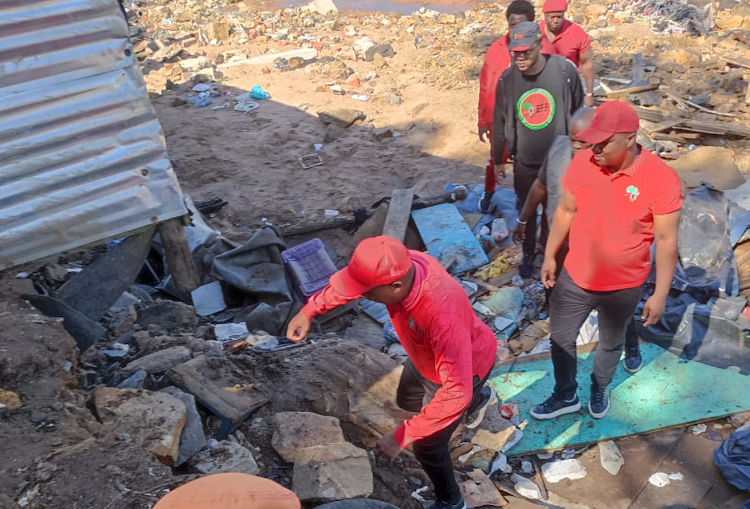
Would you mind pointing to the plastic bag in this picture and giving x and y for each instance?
(733, 459)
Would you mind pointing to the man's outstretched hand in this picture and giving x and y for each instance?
(298, 328)
(388, 448)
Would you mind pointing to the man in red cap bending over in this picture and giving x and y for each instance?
(451, 351)
(570, 41)
(617, 200)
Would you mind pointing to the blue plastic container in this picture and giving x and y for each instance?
(310, 266)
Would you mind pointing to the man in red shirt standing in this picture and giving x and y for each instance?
(451, 351)
(569, 41)
(496, 61)
(617, 200)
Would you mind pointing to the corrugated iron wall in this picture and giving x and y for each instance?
(82, 154)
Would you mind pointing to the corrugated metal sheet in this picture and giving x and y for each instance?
(82, 154)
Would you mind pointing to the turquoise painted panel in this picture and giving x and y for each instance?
(667, 392)
(445, 234)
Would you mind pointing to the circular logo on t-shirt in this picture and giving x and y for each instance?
(536, 109)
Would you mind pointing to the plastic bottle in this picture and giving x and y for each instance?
(499, 229)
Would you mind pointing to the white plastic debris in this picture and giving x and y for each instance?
(527, 467)
(361, 97)
(500, 464)
(331, 213)
(545, 455)
(263, 341)
(563, 469)
(698, 429)
(202, 87)
(610, 456)
(417, 494)
(526, 487)
(231, 331)
(513, 440)
(660, 479)
(465, 457)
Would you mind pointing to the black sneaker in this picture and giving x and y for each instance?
(485, 203)
(633, 362)
(526, 269)
(599, 402)
(444, 505)
(555, 407)
(487, 397)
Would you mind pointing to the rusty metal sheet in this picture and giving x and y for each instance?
(82, 154)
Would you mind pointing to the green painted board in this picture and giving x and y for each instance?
(667, 392)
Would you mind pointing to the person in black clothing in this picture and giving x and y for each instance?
(535, 99)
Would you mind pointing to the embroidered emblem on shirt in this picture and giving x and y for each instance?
(632, 192)
(536, 109)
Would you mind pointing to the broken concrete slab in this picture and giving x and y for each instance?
(480, 491)
(160, 361)
(208, 299)
(332, 472)
(493, 433)
(557, 471)
(295, 431)
(134, 381)
(343, 117)
(192, 438)
(154, 420)
(168, 315)
(85, 331)
(224, 457)
(708, 164)
(119, 267)
(121, 317)
(208, 379)
(269, 58)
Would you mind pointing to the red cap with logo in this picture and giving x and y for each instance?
(610, 118)
(377, 261)
(555, 6)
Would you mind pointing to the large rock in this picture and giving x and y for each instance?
(322, 7)
(296, 431)
(332, 472)
(343, 117)
(384, 50)
(192, 438)
(710, 164)
(224, 457)
(218, 30)
(168, 315)
(153, 420)
(158, 362)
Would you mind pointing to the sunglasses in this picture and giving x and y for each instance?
(598, 148)
(526, 54)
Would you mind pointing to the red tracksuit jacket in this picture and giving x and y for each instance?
(445, 340)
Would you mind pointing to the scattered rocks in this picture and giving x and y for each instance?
(192, 438)
(10, 400)
(332, 472)
(155, 420)
(384, 50)
(218, 30)
(38, 417)
(295, 431)
(134, 381)
(160, 361)
(322, 7)
(341, 117)
(224, 457)
(709, 164)
(169, 315)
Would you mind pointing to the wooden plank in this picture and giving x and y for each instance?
(220, 386)
(314, 224)
(627, 92)
(179, 258)
(445, 233)
(737, 61)
(663, 125)
(650, 115)
(399, 213)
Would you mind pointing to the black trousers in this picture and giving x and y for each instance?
(414, 392)
(570, 306)
(523, 178)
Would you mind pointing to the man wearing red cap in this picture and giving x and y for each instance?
(451, 351)
(534, 101)
(570, 41)
(617, 200)
(496, 61)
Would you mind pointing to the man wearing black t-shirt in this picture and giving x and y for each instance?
(535, 99)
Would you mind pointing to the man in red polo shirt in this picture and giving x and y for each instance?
(451, 351)
(496, 61)
(569, 41)
(617, 200)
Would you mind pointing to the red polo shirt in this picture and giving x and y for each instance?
(612, 233)
(570, 42)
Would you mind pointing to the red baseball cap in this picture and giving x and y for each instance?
(610, 118)
(377, 261)
(555, 6)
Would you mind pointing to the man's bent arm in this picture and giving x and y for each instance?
(587, 69)
(537, 195)
(324, 301)
(564, 216)
(665, 233)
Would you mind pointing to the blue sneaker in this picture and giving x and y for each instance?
(555, 407)
(599, 402)
(633, 362)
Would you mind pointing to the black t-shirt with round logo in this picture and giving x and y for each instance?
(531, 111)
